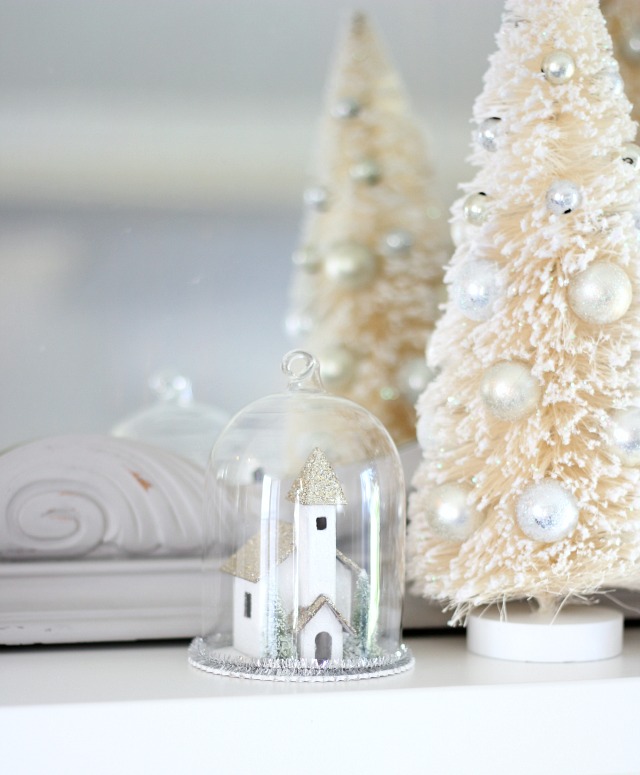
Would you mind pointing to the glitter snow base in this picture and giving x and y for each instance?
(204, 655)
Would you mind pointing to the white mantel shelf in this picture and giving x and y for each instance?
(140, 708)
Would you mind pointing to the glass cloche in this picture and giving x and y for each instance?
(305, 513)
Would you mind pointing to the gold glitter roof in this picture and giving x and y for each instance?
(245, 563)
(305, 615)
(317, 484)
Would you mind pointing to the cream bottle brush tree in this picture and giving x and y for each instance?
(368, 273)
(529, 485)
(623, 20)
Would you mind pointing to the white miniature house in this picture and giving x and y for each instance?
(304, 544)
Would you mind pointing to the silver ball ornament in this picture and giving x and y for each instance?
(346, 108)
(509, 390)
(488, 133)
(475, 288)
(563, 197)
(350, 264)
(397, 242)
(448, 513)
(413, 377)
(624, 435)
(476, 208)
(547, 511)
(367, 172)
(631, 154)
(337, 367)
(558, 67)
(316, 197)
(601, 293)
(631, 45)
(308, 259)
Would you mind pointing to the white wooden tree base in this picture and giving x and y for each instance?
(575, 634)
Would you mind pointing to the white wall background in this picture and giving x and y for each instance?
(152, 157)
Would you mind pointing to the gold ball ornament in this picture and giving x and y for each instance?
(350, 264)
(509, 390)
(601, 293)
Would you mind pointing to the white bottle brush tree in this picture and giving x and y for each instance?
(368, 274)
(529, 485)
(623, 20)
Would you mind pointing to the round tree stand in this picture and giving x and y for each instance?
(575, 634)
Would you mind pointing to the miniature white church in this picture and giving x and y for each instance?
(298, 564)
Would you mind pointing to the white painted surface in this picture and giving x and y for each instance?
(248, 632)
(141, 708)
(574, 634)
(316, 553)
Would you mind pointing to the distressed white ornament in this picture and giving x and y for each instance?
(624, 435)
(413, 377)
(475, 288)
(308, 259)
(563, 197)
(631, 154)
(476, 208)
(488, 133)
(558, 67)
(346, 108)
(366, 171)
(509, 390)
(337, 367)
(449, 514)
(317, 198)
(350, 264)
(600, 294)
(547, 512)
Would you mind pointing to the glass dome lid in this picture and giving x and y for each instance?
(304, 560)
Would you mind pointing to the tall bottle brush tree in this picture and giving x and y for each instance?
(529, 485)
(623, 20)
(368, 275)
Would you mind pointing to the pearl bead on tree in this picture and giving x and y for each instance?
(397, 242)
(488, 133)
(337, 367)
(509, 390)
(558, 67)
(547, 511)
(624, 435)
(346, 108)
(476, 288)
(366, 171)
(350, 264)
(601, 293)
(476, 208)
(563, 197)
(448, 513)
(316, 197)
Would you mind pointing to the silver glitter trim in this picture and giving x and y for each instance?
(205, 656)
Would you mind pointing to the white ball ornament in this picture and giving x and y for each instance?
(488, 133)
(346, 108)
(476, 208)
(611, 82)
(563, 197)
(397, 242)
(413, 377)
(558, 67)
(337, 367)
(509, 390)
(448, 513)
(631, 154)
(367, 172)
(624, 435)
(350, 264)
(601, 293)
(547, 512)
(476, 288)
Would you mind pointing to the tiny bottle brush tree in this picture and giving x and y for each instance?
(530, 485)
(623, 20)
(368, 274)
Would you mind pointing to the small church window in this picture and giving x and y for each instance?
(247, 605)
(321, 523)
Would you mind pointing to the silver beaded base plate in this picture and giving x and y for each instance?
(207, 656)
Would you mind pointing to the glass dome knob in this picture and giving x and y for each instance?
(303, 372)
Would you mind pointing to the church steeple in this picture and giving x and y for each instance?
(317, 484)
